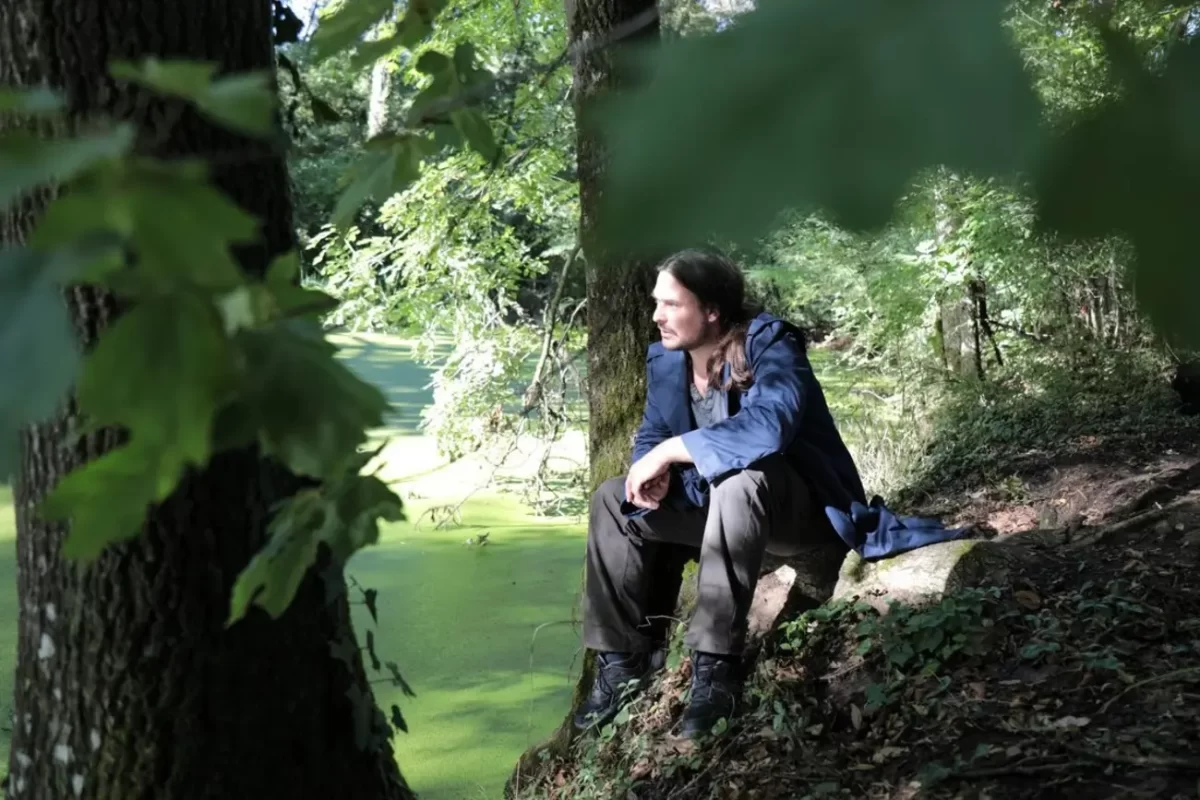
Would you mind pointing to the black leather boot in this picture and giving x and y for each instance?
(611, 688)
(716, 693)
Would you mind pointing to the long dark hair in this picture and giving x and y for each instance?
(719, 285)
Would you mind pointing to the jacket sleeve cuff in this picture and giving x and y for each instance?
(704, 455)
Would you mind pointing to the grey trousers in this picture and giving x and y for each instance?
(635, 566)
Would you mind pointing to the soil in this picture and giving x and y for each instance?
(1081, 679)
(1093, 485)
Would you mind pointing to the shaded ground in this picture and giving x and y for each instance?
(1079, 678)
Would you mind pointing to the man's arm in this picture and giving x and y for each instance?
(767, 420)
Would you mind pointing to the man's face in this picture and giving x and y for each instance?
(682, 322)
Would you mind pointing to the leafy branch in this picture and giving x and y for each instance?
(205, 358)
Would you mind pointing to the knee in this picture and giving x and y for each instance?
(609, 495)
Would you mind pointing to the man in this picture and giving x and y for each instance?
(737, 454)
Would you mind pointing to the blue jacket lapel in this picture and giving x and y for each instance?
(674, 398)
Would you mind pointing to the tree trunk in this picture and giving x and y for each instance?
(377, 107)
(128, 685)
(618, 283)
(380, 93)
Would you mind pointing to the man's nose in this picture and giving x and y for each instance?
(658, 317)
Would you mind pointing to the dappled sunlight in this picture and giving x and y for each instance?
(414, 463)
(411, 458)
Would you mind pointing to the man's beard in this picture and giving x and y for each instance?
(709, 333)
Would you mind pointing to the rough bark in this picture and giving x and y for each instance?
(619, 283)
(128, 685)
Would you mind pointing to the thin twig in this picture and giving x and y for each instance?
(1155, 679)
(1015, 769)
(437, 109)
(534, 393)
(1149, 762)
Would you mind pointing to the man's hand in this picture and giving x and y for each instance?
(648, 481)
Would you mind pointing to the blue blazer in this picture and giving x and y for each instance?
(784, 411)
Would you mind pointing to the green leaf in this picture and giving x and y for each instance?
(161, 370)
(235, 426)
(929, 640)
(381, 174)
(901, 654)
(466, 68)
(285, 298)
(28, 161)
(398, 721)
(314, 411)
(38, 354)
(322, 112)
(410, 32)
(278, 297)
(178, 223)
(350, 21)
(30, 101)
(475, 129)
(370, 51)
(184, 228)
(244, 102)
(338, 514)
(272, 577)
(83, 212)
(440, 68)
(877, 696)
(106, 500)
(176, 77)
(361, 504)
(831, 105)
(1132, 167)
(284, 269)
